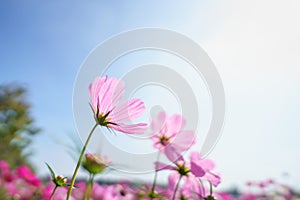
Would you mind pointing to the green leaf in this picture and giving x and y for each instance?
(51, 171)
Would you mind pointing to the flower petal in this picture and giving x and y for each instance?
(105, 93)
(184, 140)
(197, 170)
(127, 111)
(94, 91)
(162, 166)
(176, 123)
(213, 178)
(172, 153)
(206, 164)
(172, 181)
(110, 94)
(159, 122)
(139, 128)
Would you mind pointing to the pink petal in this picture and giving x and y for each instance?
(158, 123)
(172, 153)
(131, 128)
(192, 184)
(197, 170)
(162, 166)
(94, 91)
(118, 92)
(172, 181)
(213, 178)
(176, 123)
(206, 164)
(127, 111)
(156, 142)
(195, 156)
(105, 93)
(110, 93)
(184, 140)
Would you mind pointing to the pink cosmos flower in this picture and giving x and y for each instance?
(5, 172)
(169, 135)
(47, 191)
(25, 173)
(105, 95)
(11, 188)
(203, 168)
(190, 172)
(98, 191)
(189, 190)
(249, 196)
(196, 166)
(119, 191)
(224, 196)
(20, 189)
(60, 194)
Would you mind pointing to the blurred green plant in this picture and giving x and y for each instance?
(16, 125)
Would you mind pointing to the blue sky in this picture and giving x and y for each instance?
(254, 45)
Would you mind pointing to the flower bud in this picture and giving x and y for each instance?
(61, 179)
(95, 163)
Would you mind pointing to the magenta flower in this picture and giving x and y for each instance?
(5, 172)
(224, 196)
(191, 189)
(196, 167)
(190, 172)
(105, 95)
(60, 193)
(169, 134)
(98, 191)
(119, 191)
(25, 173)
(203, 168)
(20, 189)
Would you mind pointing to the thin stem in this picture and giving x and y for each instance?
(89, 187)
(202, 188)
(52, 194)
(92, 184)
(79, 162)
(176, 188)
(210, 188)
(155, 177)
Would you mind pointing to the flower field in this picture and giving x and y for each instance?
(190, 177)
(22, 184)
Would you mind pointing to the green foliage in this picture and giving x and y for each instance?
(16, 125)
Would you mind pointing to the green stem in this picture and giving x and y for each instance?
(155, 178)
(89, 188)
(176, 188)
(79, 162)
(210, 188)
(202, 188)
(92, 185)
(52, 194)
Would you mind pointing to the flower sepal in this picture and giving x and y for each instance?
(59, 181)
(210, 197)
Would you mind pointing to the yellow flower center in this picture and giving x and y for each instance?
(164, 140)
